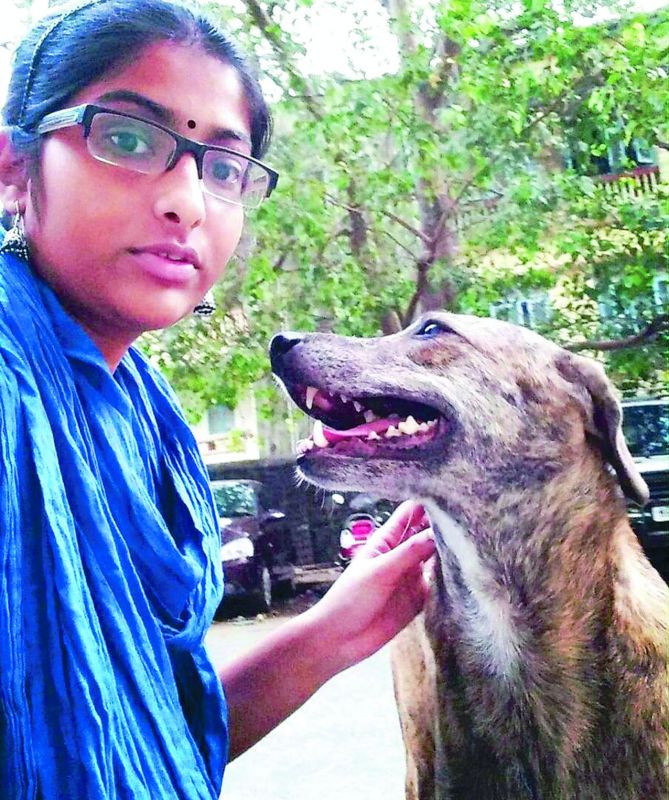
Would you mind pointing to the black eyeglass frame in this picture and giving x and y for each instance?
(83, 115)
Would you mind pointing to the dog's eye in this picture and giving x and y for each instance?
(433, 328)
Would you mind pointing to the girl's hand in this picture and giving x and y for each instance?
(380, 592)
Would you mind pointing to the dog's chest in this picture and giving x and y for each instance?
(480, 618)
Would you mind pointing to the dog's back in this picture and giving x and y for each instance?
(538, 669)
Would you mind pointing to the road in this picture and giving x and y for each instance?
(345, 742)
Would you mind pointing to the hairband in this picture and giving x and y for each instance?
(46, 33)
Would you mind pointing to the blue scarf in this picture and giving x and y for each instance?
(109, 570)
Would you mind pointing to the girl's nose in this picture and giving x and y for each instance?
(180, 196)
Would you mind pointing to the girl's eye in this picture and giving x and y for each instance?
(226, 171)
(129, 143)
(433, 328)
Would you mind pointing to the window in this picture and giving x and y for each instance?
(610, 158)
(643, 153)
(531, 310)
(221, 420)
(661, 289)
(646, 429)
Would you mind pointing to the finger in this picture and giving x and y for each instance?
(428, 568)
(416, 587)
(408, 518)
(408, 555)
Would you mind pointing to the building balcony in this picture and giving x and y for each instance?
(635, 183)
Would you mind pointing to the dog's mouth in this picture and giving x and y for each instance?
(366, 427)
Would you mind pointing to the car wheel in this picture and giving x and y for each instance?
(262, 597)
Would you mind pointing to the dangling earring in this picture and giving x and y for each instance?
(15, 240)
(206, 306)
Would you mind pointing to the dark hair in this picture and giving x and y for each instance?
(70, 49)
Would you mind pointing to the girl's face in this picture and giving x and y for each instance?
(97, 233)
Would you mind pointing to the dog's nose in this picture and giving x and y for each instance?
(282, 343)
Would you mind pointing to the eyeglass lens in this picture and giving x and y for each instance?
(145, 148)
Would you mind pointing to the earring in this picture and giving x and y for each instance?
(15, 239)
(206, 306)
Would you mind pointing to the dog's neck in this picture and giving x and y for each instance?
(520, 527)
(501, 560)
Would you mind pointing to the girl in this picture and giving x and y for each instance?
(134, 133)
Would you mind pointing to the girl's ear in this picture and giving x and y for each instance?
(13, 174)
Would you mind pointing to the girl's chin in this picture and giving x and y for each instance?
(163, 309)
(152, 316)
(159, 320)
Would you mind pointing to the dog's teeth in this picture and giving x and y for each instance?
(370, 416)
(303, 446)
(373, 435)
(408, 426)
(357, 406)
(423, 427)
(318, 436)
(431, 423)
(344, 399)
(392, 431)
(311, 393)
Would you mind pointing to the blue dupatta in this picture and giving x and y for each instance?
(109, 570)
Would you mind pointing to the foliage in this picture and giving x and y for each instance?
(442, 182)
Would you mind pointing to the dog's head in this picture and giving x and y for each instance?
(457, 400)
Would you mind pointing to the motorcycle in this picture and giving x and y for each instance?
(359, 526)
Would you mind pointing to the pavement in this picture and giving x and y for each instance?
(344, 742)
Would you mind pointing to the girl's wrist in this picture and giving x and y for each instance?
(323, 642)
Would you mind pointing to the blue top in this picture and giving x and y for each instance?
(109, 570)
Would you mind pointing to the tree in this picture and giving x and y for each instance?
(441, 183)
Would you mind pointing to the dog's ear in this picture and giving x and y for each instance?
(604, 420)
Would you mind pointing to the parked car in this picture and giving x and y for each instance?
(256, 546)
(646, 426)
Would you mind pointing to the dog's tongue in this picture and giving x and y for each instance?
(377, 426)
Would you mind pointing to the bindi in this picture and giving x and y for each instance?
(191, 124)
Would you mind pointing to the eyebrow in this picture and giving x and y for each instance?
(165, 116)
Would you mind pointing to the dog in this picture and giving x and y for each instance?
(538, 668)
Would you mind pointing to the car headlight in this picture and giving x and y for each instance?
(237, 549)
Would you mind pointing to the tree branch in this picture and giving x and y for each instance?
(422, 268)
(659, 325)
(268, 30)
(413, 256)
(585, 82)
(422, 236)
(427, 240)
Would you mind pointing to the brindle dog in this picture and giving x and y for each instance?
(538, 669)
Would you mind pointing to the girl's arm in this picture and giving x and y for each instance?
(379, 593)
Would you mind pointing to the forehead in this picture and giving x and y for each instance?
(190, 83)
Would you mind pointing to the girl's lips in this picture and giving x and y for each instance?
(164, 269)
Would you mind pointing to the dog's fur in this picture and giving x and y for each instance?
(538, 669)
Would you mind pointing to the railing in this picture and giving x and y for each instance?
(635, 183)
(638, 182)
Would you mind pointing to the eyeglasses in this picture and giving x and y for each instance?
(134, 143)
